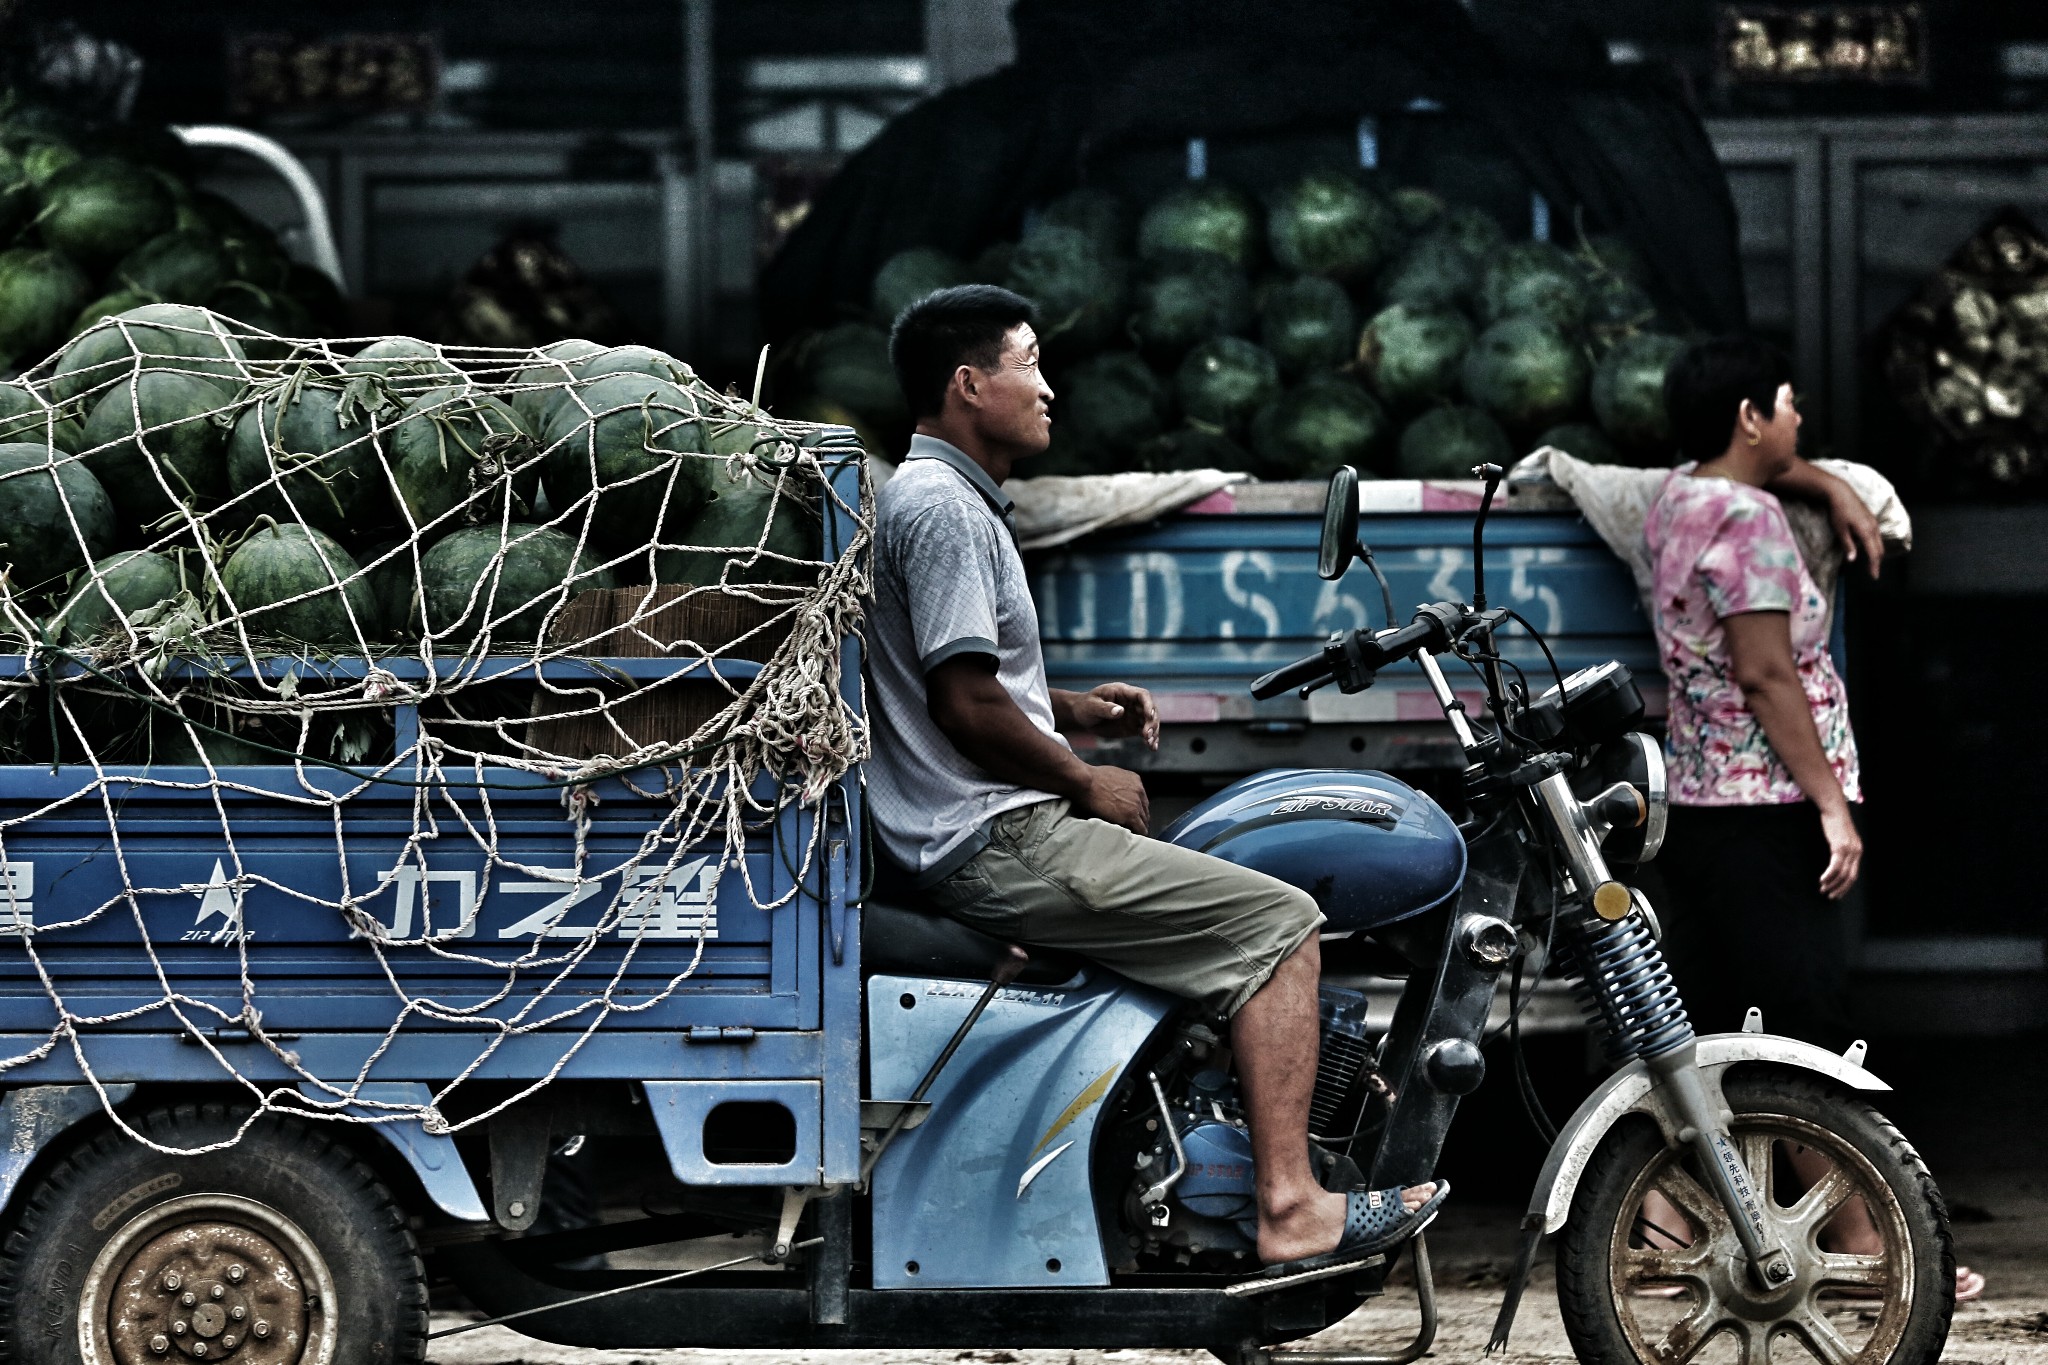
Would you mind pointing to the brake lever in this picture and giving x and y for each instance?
(1316, 686)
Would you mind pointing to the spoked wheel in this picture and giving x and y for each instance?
(282, 1249)
(1650, 1269)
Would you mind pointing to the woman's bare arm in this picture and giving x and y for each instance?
(1761, 664)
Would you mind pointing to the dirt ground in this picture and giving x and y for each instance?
(1473, 1251)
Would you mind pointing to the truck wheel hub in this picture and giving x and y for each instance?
(209, 1278)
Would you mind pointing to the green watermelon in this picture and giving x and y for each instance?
(1628, 391)
(407, 365)
(734, 521)
(392, 572)
(909, 275)
(257, 260)
(1110, 405)
(1224, 381)
(1326, 223)
(1449, 442)
(1188, 298)
(1321, 423)
(44, 161)
(1414, 355)
(177, 267)
(1476, 230)
(991, 265)
(100, 209)
(1190, 448)
(301, 462)
(1206, 215)
(178, 443)
(1527, 373)
(171, 742)
(278, 563)
(108, 306)
(40, 292)
(1583, 441)
(628, 437)
(1099, 215)
(1418, 209)
(1536, 279)
(120, 585)
(266, 319)
(39, 503)
(1605, 254)
(452, 447)
(474, 576)
(1436, 271)
(1308, 324)
(17, 195)
(25, 418)
(1080, 293)
(538, 383)
(156, 336)
(635, 360)
(849, 365)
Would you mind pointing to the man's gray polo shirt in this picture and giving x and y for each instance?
(948, 581)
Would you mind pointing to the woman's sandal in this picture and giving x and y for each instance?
(1374, 1221)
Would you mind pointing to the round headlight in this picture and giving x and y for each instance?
(1637, 759)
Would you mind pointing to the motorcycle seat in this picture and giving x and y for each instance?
(903, 940)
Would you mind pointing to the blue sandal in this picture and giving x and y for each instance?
(1374, 1221)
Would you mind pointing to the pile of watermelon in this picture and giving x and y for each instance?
(1338, 322)
(174, 482)
(97, 220)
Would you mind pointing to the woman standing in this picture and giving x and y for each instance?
(1762, 844)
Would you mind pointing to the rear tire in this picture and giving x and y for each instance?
(1603, 1263)
(281, 1249)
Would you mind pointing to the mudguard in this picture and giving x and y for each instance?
(432, 1156)
(1631, 1090)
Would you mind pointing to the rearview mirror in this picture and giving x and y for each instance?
(1340, 524)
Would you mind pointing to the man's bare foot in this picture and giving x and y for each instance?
(1316, 1225)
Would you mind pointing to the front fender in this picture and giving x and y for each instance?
(1632, 1090)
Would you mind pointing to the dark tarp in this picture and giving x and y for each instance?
(1618, 149)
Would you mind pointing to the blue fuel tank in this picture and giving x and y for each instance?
(1370, 848)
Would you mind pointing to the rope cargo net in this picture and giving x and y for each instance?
(227, 547)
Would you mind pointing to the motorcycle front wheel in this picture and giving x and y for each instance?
(1649, 1270)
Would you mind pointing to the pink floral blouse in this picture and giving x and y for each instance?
(1719, 548)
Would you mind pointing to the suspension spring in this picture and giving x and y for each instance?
(1621, 979)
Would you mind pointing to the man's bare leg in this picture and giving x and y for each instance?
(1275, 1035)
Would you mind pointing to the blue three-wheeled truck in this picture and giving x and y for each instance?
(286, 1042)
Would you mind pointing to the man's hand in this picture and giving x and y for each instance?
(1855, 526)
(1116, 795)
(1114, 711)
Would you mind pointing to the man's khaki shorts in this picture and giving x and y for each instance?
(1159, 914)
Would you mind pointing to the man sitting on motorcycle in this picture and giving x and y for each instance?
(975, 792)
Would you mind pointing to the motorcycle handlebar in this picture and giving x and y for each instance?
(1434, 625)
(1300, 673)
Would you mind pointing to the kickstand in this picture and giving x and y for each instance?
(1425, 1336)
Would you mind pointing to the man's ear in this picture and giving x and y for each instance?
(966, 384)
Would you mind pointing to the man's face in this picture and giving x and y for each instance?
(1013, 403)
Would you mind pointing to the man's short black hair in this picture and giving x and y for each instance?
(948, 328)
(1705, 386)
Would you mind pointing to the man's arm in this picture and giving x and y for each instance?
(1855, 526)
(1115, 710)
(968, 704)
(1760, 662)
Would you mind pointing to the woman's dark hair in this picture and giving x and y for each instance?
(948, 328)
(1705, 386)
